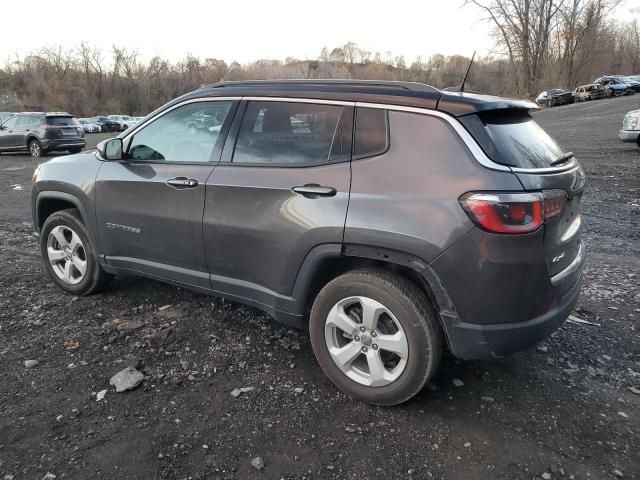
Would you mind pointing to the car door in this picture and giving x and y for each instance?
(7, 133)
(149, 206)
(281, 189)
(19, 138)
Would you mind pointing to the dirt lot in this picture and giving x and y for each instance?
(563, 410)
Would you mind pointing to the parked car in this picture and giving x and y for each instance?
(593, 91)
(633, 82)
(554, 98)
(40, 133)
(462, 229)
(124, 121)
(5, 115)
(106, 125)
(88, 126)
(631, 127)
(616, 86)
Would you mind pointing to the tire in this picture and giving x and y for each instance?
(69, 224)
(404, 307)
(35, 148)
(75, 150)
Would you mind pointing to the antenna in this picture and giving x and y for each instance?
(467, 74)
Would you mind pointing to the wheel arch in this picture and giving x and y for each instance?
(328, 262)
(50, 202)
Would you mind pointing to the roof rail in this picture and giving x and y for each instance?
(411, 86)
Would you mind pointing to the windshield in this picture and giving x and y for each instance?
(513, 138)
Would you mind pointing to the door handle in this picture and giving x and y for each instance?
(313, 190)
(182, 182)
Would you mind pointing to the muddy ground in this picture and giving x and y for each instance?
(566, 409)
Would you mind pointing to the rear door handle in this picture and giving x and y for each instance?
(182, 182)
(313, 190)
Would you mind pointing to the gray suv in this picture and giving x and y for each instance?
(392, 219)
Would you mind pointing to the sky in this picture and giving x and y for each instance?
(246, 30)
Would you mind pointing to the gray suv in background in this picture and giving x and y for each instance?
(40, 133)
(392, 219)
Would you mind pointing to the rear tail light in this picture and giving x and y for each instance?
(513, 212)
(45, 126)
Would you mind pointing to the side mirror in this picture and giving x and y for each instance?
(111, 149)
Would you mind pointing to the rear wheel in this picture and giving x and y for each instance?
(69, 256)
(35, 149)
(375, 336)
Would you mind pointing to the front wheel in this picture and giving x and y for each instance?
(375, 336)
(69, 256)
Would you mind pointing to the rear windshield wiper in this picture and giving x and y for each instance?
(562, 158)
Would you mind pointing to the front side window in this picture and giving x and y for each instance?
(11, 123)
(291, 133)
(187, 134)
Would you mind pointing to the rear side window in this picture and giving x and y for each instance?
(62, 121)
(371, 135)
(282, 133)
(24, 120)
(513, 138)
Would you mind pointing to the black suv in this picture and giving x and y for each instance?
(391, 219)
(106, 124)
(39, 133)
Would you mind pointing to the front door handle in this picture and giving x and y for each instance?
(313, 190)
(182, 182)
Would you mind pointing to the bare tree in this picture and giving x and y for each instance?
(524, 28)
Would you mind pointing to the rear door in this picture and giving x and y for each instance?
(149, 206)
(281, 189)
(19, 137)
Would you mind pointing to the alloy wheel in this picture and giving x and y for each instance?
(34, 149)
(67, 255)
(366, 341)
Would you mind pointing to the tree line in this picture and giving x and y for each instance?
(539, 44)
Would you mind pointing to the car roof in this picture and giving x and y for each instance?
(410, 94)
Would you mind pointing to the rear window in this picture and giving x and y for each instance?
(513, 138)
(62, 121)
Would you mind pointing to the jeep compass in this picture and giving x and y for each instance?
(391, 219)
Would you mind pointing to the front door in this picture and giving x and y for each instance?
(150, 205)
(281, 189)
(8, 133)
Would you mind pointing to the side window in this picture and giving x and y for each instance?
(292, 133)
(187, 134)
(11, 123)
(37, 120)
(24, 120)
(372, 132)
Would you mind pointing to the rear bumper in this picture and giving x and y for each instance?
(628, 135)
(63, 143)
(505, 301)
(471, 341)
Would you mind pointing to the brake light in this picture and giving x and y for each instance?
(513, 212)
(45, 126)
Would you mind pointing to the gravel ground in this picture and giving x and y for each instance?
(569, 408)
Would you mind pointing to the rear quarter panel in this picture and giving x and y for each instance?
(407, 199)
